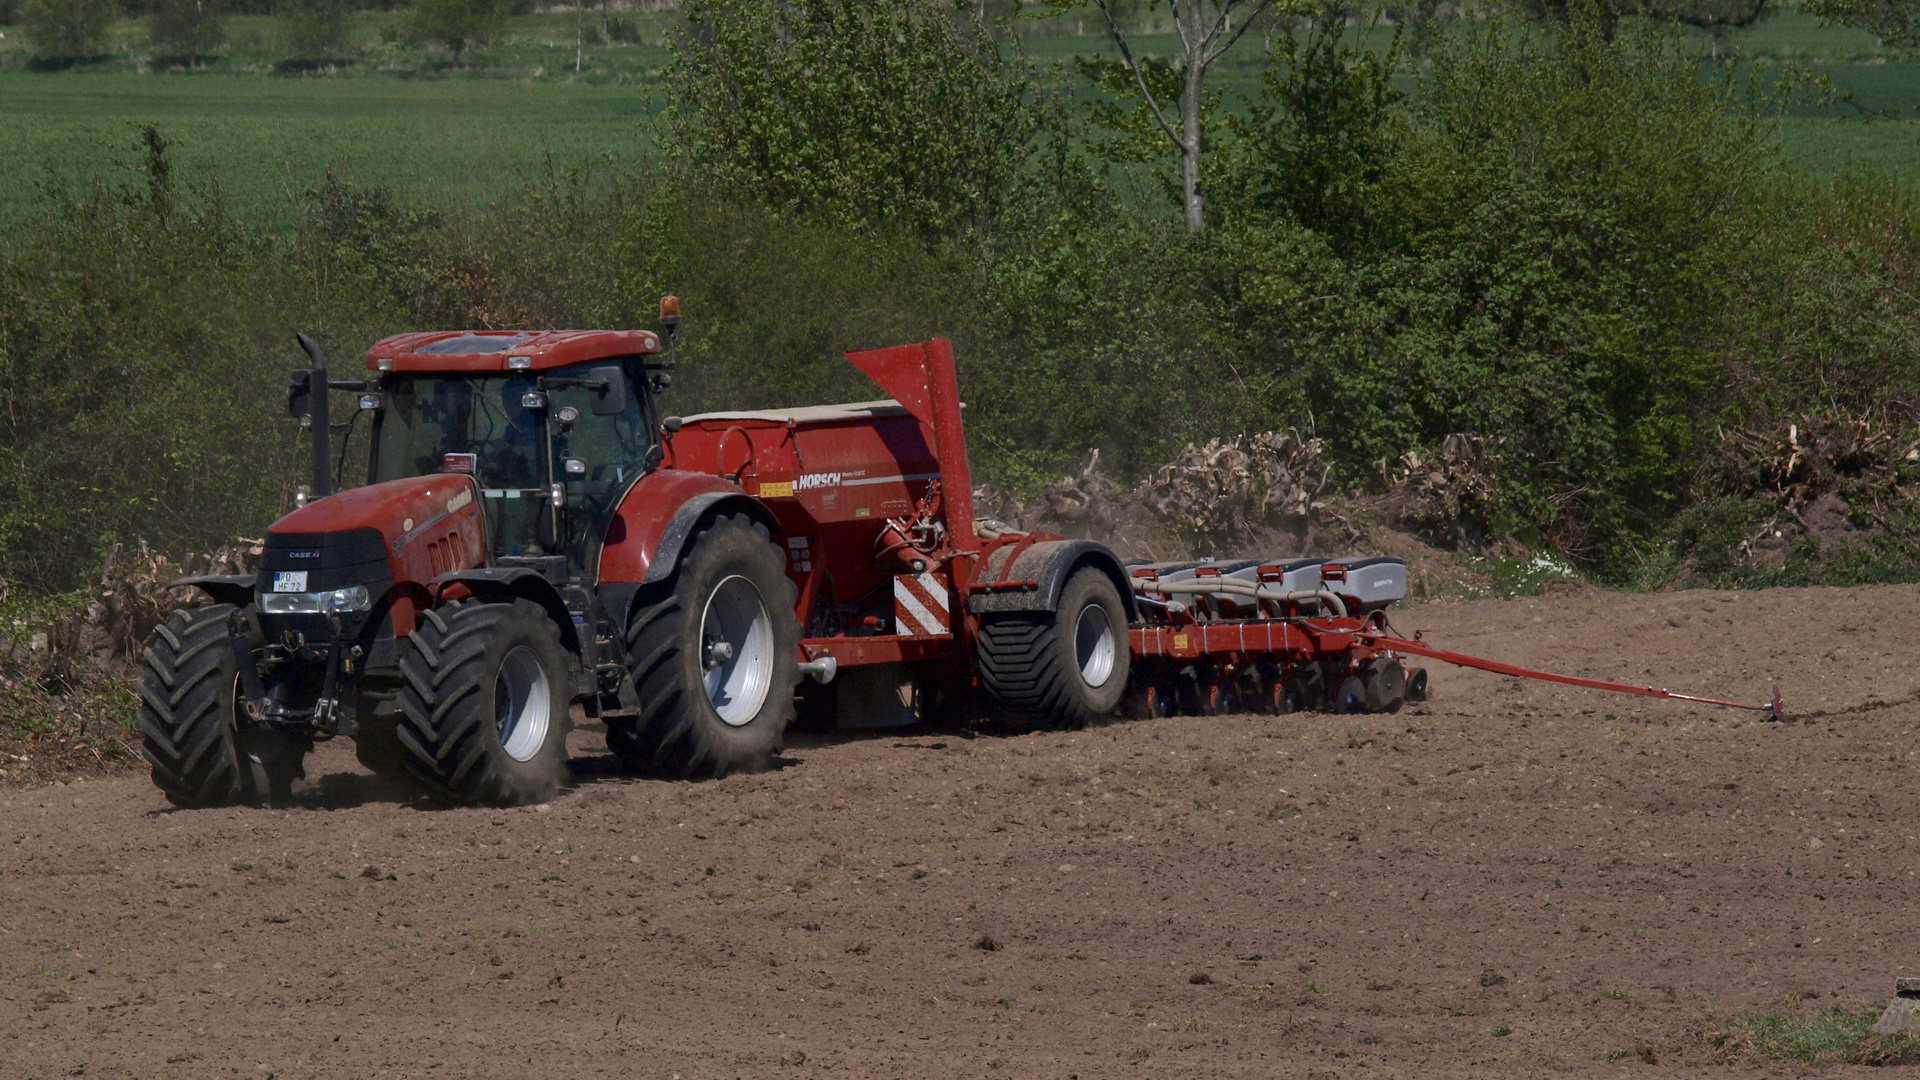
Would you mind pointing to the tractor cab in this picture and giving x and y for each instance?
(553, 428)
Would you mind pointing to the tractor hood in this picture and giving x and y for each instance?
(410, 530)
(396, 508)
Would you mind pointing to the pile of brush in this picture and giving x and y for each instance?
(1814, 454)
(1229, 488)
(1443, 498)
(1824, 473)
(1209, 498)
(69, 665)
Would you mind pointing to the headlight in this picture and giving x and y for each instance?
(351, 598)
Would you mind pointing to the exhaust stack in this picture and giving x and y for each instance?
(317, 419)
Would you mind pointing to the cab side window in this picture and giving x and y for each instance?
(614, 448)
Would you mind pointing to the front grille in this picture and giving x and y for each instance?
(332, 560)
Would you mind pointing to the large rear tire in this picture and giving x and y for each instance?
(483, 709)
(715, 654)
(190, 722)
(1062, 668)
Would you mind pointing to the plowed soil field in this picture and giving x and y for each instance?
(1511, 879)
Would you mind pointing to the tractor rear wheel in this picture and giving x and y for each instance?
(715, 654)
(189, 718)
(1062, 668)
(483, 709)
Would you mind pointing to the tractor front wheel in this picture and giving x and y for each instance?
(189, 718)
(483, 709)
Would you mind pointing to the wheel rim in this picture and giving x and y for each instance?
(1093, 646)
(736, 650)
(522, 703)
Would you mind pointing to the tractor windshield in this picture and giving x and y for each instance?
(427, 417)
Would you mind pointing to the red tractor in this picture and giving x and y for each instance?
(532, 535)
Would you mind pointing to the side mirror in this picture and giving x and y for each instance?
(299, 393)
(608, 389)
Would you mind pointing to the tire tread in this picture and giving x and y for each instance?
(186, 737)
(439, 727)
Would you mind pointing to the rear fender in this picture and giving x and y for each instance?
(235, 589)
(649, 532)
(1050, 563)
(516, 582)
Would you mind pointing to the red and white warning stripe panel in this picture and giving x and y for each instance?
(921, 605)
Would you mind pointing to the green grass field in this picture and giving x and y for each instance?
(266, 139)
(450, 132)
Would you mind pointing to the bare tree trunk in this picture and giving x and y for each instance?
(1206, 31)
(1190, 143)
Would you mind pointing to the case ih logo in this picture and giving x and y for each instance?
(811, 481)
(303, 554)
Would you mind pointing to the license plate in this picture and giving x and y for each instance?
(290, 581)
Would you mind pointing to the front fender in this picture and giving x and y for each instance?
(235, 589)
(650, 529)
(519, 582)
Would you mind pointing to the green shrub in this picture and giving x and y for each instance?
(315, 29)
(67, 29)
(157, 329)
(892, 111)
(457, 24)
(186, 28)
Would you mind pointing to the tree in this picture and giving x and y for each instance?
(189, 28)
(459, 23)
(1895, 22)
(315, 28)
(1316, 145)
(901, 111)
(1207, 30)
(67, 29)
(1706, 14)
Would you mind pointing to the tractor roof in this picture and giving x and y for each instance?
(489, 350)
